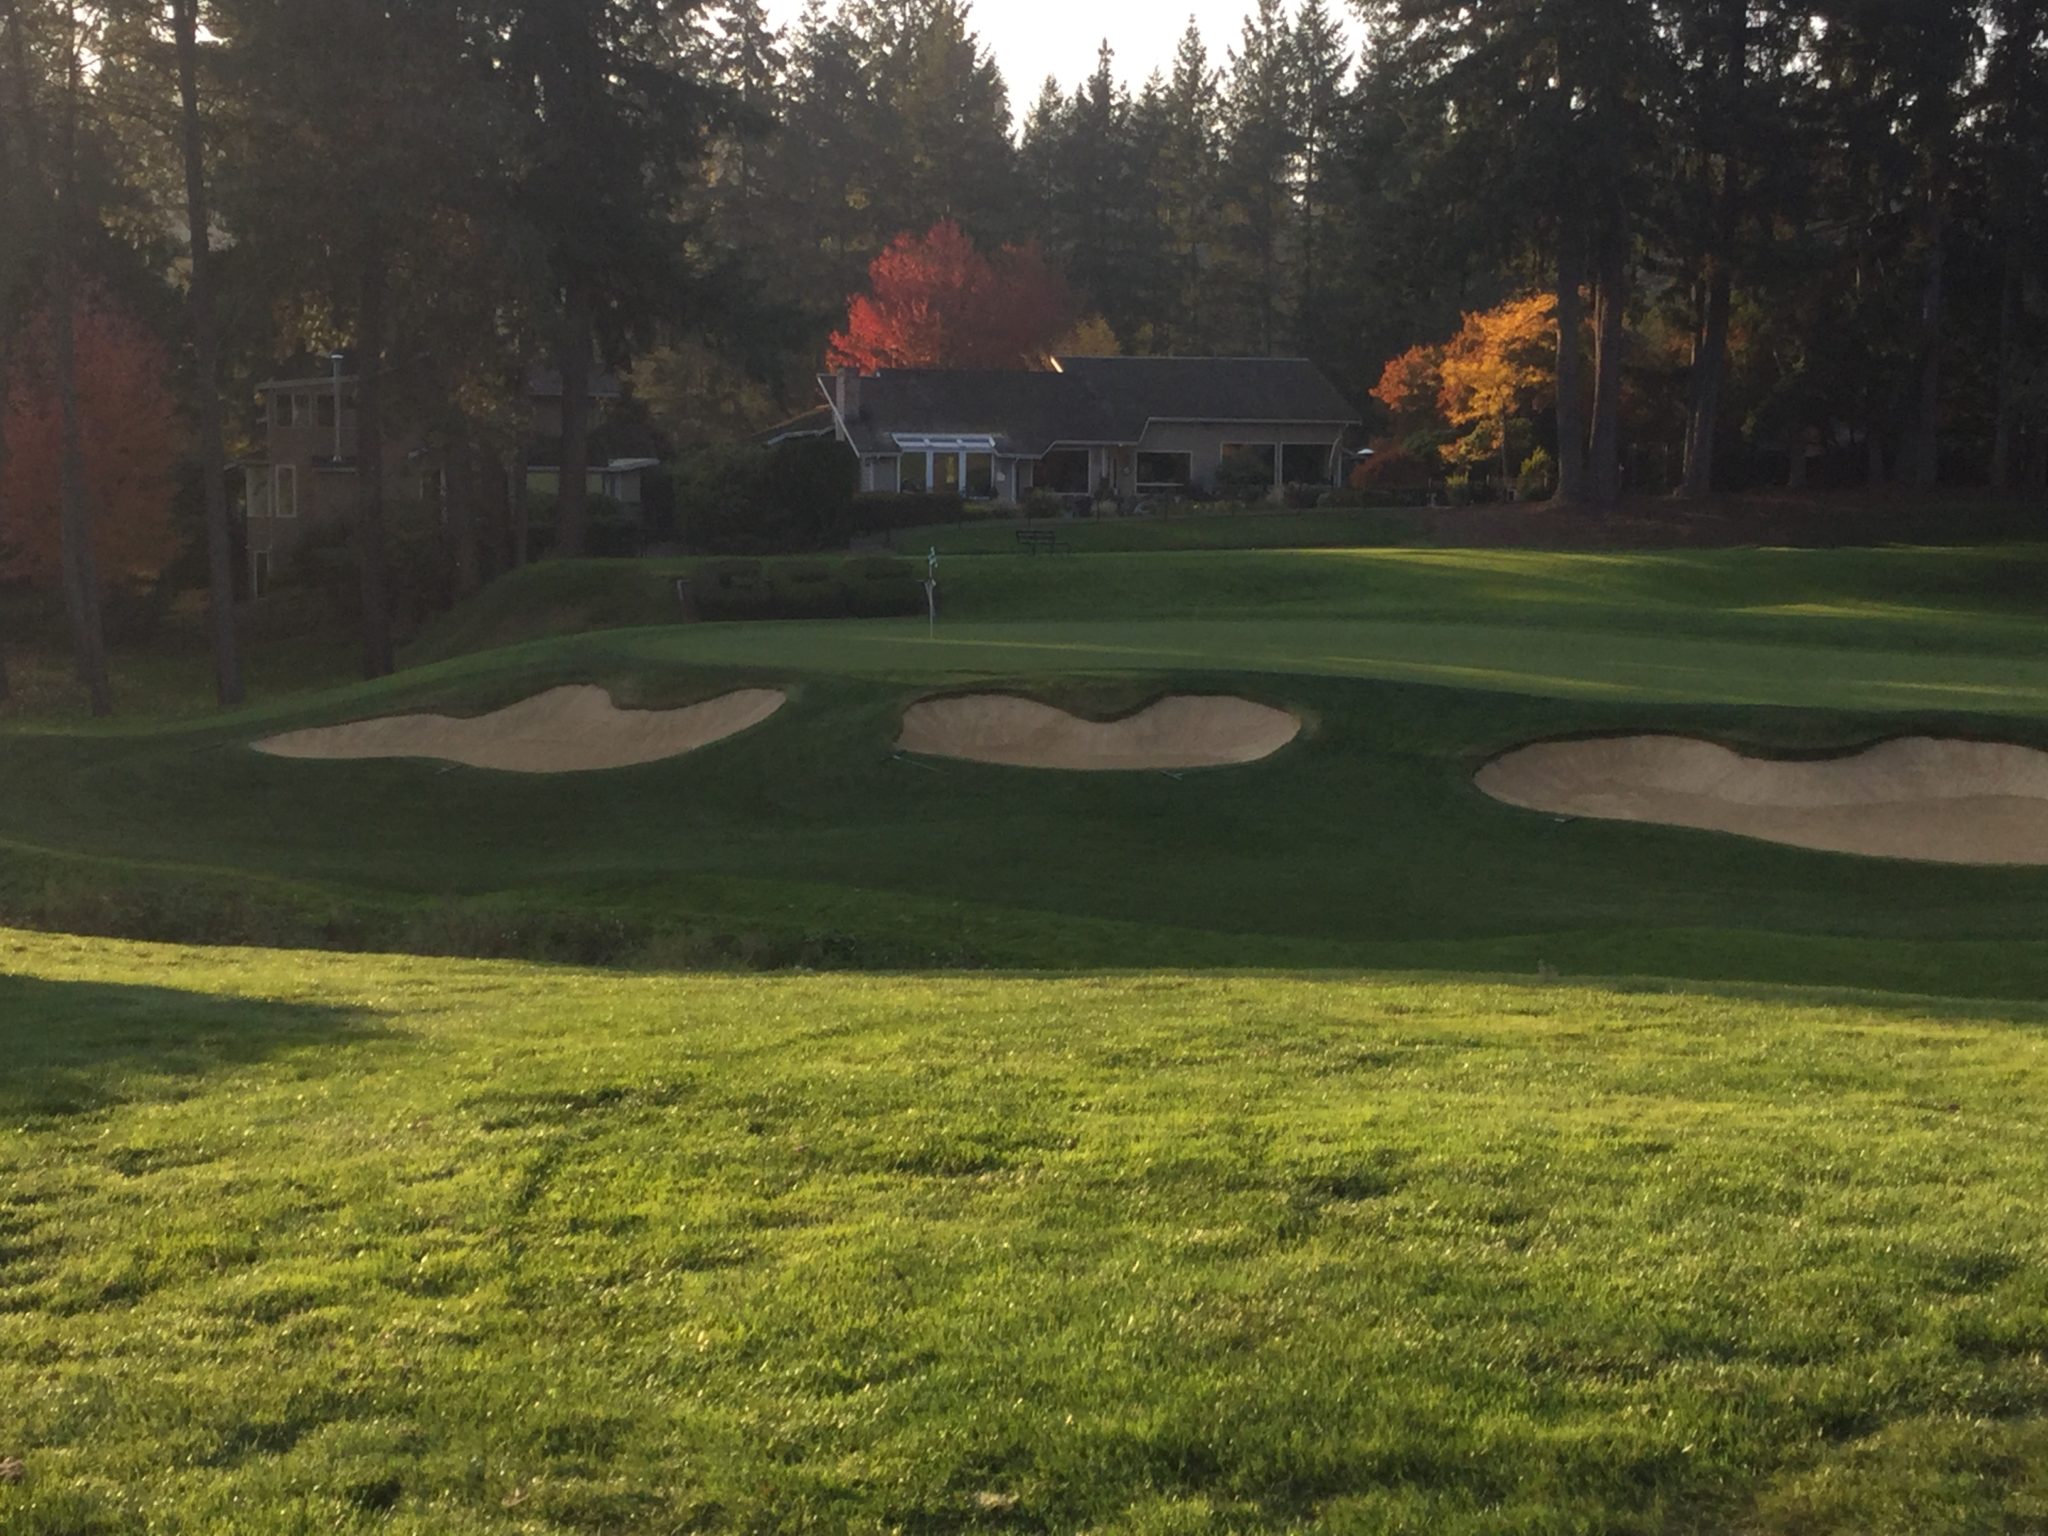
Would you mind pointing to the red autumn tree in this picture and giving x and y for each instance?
(1410, 386)
(129, 429)
(934, 301)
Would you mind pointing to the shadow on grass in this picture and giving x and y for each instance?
(77, 1048)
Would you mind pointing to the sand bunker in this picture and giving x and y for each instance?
(566, 730)
(1948, 802)
(1179, 732)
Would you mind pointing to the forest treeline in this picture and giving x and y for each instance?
(1756, 240)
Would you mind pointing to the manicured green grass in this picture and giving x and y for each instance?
(295, 1242)
(808, 841)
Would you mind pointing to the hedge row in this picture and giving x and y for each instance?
(876, 587)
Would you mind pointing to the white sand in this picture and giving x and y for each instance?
(566, 730)
(1179, 732)
(1948, 802)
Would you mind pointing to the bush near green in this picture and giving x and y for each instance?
(1538, 479)
(753, 500)
(868, 587)
(890, 511)
(615, 531)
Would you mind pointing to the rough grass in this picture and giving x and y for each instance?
(292, 1242)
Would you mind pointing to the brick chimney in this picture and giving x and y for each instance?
(846, 393)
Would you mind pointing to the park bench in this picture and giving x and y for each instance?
(1032, 540)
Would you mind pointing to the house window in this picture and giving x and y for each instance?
(1064, 472)
(259, 572)
(910, 473)
(323, 409)
(1305, 464)
(284, 490)
(981, 476)
(1248, 466)
(946, 472)
(1165, 471)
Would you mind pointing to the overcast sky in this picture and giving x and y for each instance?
(1035, 38)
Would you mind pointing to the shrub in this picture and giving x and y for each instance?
(887, 511)
(750, 500)
(808, 589)
(732, 589)
(1538, 479)
(883, 586)
(615, 531)
(1396, 467)
(1244, 477)
(1044, 504)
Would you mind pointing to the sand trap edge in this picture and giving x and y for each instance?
(1046, 737)
(571, 729)
(1984, 824)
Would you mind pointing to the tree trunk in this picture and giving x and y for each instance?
(1709, 368)
(16, 161)
(6, 363)
(572, 503)
(460, 501)
(1921, 466)
(1609, 343)
(1571, 401)
(518, 505)
(81, 571)
(372, 555)
(220, 567)
(1710, 362)
(495, 501)
(2005, 438)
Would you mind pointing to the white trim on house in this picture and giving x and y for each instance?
(942, 443)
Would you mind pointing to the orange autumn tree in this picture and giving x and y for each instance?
(1484, 385)
(935, 301)
(128, 426)
(1495, 373)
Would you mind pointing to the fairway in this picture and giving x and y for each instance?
(302, 1242)
(810, 840)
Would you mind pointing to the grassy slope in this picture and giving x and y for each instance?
(299, 1242)
(807, 840)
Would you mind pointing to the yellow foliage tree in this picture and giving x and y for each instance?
(1501, 367)
(1090, 337)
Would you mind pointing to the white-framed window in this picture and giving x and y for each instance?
(284, 490)
(965, 466)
